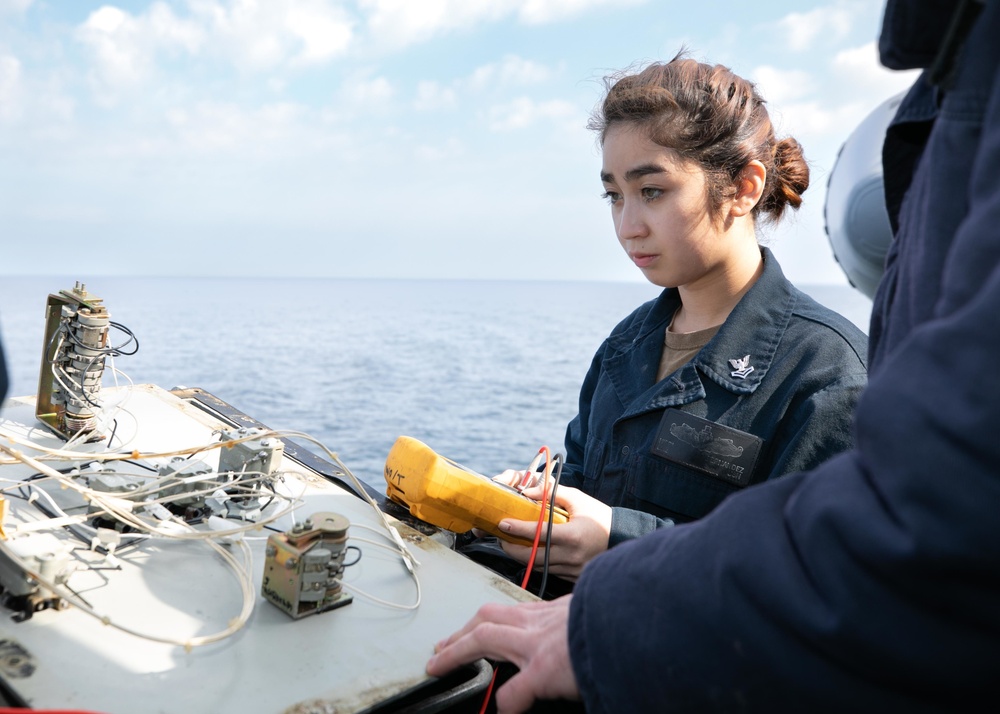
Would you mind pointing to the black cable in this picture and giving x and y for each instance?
(113, 350)
(100, 354)
(131, 338)
(114, 430)
(140, 465)
(356, 560)
(39, 475)
(548, 535)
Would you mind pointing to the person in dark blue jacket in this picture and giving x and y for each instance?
(732, 376)
(869, 584)
(3, 376)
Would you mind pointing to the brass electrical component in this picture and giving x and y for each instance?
(73, 353)
(303, 566)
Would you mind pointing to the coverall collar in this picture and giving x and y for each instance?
(753, 329)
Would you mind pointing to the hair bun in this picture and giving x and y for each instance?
(790, 176)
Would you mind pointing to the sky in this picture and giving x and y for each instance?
(378, 138)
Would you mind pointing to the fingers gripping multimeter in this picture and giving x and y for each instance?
(444, 494)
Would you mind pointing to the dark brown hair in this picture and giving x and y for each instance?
(711, 116)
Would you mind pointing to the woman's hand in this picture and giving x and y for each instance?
(515, 478)
(574, 543)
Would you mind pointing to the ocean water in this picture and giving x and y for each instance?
(484, 372)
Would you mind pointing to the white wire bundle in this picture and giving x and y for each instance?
(133, 511)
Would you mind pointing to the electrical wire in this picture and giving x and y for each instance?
(543, 451)
(559, 459)
(357, 559)
(541, 515)
(154, 492)
(63, 344)
(116, 350)
(393, 548)
(240, 569)
(409, 561)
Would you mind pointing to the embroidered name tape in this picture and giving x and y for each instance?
(717, 450)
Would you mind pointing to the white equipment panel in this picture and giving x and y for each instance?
(348, 659)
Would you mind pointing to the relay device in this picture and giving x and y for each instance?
(450, 496)
(303, 567)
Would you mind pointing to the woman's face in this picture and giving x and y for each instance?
(661, 211)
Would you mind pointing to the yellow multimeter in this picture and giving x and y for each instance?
(444, 494)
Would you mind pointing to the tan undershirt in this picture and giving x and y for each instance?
(680, 347)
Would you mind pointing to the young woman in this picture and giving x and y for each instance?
(732, 376)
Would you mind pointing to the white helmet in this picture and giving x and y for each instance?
(857, 222)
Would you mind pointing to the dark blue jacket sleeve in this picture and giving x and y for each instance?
(871, 583)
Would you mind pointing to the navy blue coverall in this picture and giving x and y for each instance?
(805, 369)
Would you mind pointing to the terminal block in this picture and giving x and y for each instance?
(110, 480)
(41, 553)
(247, 463)
(303, 566)
(186, 486)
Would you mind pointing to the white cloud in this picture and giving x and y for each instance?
(830, 24)
(859, 68)
(368, 93)
(259, 34)
(398, 23)
(512, 71)
(254, 35)
(226, 127)
(165, 30)
(523, 112)
(450, 149)
(119, 58)
(537, 12)
(780, 85)
(123, 47)
(402, 22)
(14, 6)
(10, 88)
(432, 96)
(815, 119)
(324, 34)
